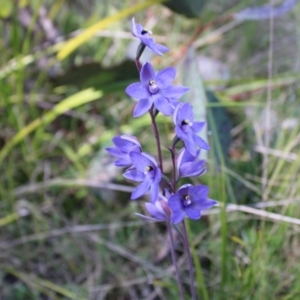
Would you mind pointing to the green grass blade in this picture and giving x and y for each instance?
(201, 285)
(77, 41)
(71, 102)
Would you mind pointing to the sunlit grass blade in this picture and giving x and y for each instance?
(9, 219)
(74, 43)
(71, 102)
(21, 61)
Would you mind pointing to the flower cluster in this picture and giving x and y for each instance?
(155, 93)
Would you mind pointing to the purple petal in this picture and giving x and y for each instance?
(179, 158)
(154, 212)
(115, 151)
(188, 157)
(140, 190)
(137, 91)
(124, 162)
(150, 157)
(134, 175)
(154, 192)
(174, 202)
(146, 217)
(147, 40)
(182, 112)
(200, 142)
(192, 169)
(184, 188)
(165, 77)
(198, 126)
(153, 46)
(126, 143)
(180, 133)
(142, 107)
(131, 138)
(202, 205)
(140, 161)
(174, 91)
(147, 73)
(139, 29)
(199, 192)
(174, 102)
(188, 140)
(163, 105)
(190, 145)
(161, 48)
(193, 213)
(155, 186)
(175, 114)
(177, 216)
(121, 143)
(157, 177)
(187, 112)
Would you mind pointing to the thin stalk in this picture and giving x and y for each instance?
(185, 235)
(139, 53)
(138, 64)
(191, 267)
(174, 167)
(174, 261)
(157, 138)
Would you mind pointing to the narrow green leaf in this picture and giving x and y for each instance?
(71, 102)
(77, 41)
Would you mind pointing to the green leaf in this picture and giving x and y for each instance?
(71, 102)
(94, 75)
(189, 8)
(222, 123)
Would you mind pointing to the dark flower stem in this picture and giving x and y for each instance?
(174, 167)
(191, 267)
(174, 261)
(185, 236)
(138, 64)
(157, 138)
(140, 51)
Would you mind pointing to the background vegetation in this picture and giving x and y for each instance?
(67, 227)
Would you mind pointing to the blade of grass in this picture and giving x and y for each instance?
(73, 101)
(43, 283)
(9, 219)
(22, 61)
(221, 193)
(201, 285)
(74, 43)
